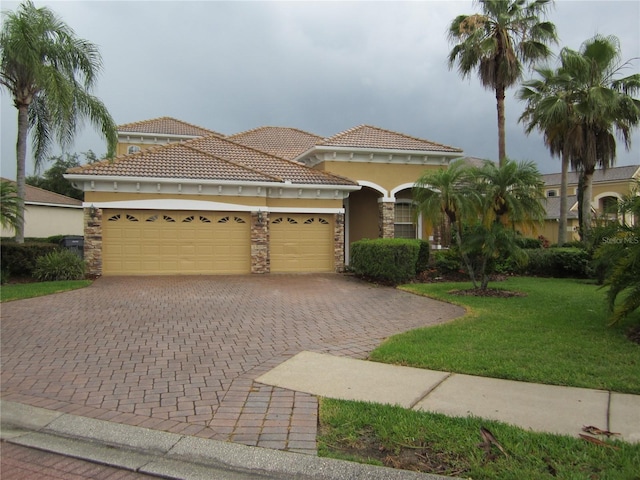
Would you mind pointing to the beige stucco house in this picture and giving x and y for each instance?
(609, 186)
(180, 199)
(47, 214)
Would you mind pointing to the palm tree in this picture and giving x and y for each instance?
(507, 194)
(49, 72)
(497, 41)
(9, 213)
(604, 106)
(512, 193)
(582, 106)
(446, 194)
(549, 109)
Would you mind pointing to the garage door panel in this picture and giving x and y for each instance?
(172, 242)
(301, 243)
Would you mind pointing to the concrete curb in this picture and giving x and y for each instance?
(171, 455)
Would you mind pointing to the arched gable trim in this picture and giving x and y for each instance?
(374, 186)
(399, 188)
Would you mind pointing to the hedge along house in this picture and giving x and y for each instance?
(186, 200)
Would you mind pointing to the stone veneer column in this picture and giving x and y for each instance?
(93, 241)
(338, 242)
(386, 219)
(260, 261)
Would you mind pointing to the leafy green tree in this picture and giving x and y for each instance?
(581, 107)
(50, 73)
(497, 42)
(9, 211)
(53, 178)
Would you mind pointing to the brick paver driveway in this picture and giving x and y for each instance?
(180, 354)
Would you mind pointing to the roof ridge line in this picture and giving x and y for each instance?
(165, 117)
(231, 162)
(404, 135)
(251, 130)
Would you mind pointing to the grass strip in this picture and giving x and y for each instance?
(400, 438)
(20, 291)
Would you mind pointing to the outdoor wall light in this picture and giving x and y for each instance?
(93, 211)
(260, 217)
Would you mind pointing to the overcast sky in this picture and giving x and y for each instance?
(322, 67)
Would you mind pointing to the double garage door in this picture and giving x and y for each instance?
(152, 242)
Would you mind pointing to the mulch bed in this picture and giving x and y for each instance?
(488, 292)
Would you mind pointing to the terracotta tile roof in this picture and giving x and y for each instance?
(176, 160)
(166, 126)
(287, 170)
(366, 136)
(39, 195)
(609, 175)
(279, 141)
(210, 158)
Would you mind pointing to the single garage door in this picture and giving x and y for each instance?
(152, 242)
(301, 243)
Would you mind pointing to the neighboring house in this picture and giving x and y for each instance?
(48, 214)
(267, 200)
(609, 186)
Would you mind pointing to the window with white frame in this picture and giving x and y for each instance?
(404, 222)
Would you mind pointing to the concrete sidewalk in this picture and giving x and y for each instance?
(536, 407)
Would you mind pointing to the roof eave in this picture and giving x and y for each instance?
(92, 179)
(319, 149)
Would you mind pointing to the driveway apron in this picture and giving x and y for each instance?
(180, 354)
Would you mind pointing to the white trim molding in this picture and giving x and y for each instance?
(203, 206)
(404, 186)
(374, 186)
(189, 186)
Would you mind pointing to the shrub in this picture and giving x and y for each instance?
(446, 261)
(59, 265)
(386, 260)
(559, 262)
(527, 243)
(423, 256)
(19, 259)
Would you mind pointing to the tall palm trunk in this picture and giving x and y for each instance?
(562, 222)
(21, 153)
(587, 194)
(502, 138)
(457, 228)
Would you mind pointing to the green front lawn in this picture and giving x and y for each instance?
(20, 291)
(557, 334)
